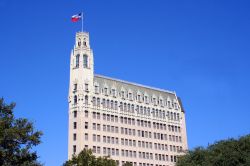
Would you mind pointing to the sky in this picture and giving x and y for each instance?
(199, 49)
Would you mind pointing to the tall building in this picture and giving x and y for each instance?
(127, 121)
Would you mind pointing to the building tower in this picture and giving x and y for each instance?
(81, 84)
(127, 121)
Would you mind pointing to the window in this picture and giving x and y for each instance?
(94, 137)
(139, 98)
(74, 149)
(75, 114)
(94, 126)
(104, 128)
(98, 127)
(117, 152)
(75, 125)
(85, 61)
(75, 87)
(130, 96)
(86, 113)
(178, 117)
(77, 60)
(98, 138)
(146, 99)
(94, 115)
(86, 136)
(94, 149)
(116, 107)
(79, 42)
(96, 89)
(86, 87)
(74, 136)
(98, 149)
(106, 91)
(154, 101)
(123, 94)
(86, 100)
(113, 92)
(98, 102)
(86, 125)
(75, 99)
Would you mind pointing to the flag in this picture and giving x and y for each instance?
(76, 17)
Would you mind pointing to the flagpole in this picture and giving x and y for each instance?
(82, 21)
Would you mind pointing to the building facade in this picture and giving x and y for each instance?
(126, 121)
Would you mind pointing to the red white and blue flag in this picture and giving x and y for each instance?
(76, 17)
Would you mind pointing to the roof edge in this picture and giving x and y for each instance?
(136, 84)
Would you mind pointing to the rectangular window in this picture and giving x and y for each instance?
(106, 91)
(86, 87)
(86, 136)
(75, 87)
(98, 138)
(94, 115)
(94, 137)
(113, 92)
(104, 139)
(74, 136)
(108, 128)
(98, 149)
(74, 149)
(94, 126)
(116, 140)
(98, 116)
(104, 128)
(75, 114)
(94, 149)
(86, 114)
(98, 127)
(96, 89)
(86, 125)
(117, 152)
(75, 125)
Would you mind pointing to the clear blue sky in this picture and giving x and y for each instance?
(200, 49)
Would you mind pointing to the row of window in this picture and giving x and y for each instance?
(132, 132)
(131, 108)
(139, 97)
(132, 143)
(140, 164)
(130, 121)
(130, 153)
(147, 111)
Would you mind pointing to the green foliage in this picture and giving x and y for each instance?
(86, 158)
(127, 164)
(229, 152)
(17, 137)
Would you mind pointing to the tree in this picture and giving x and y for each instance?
(17, 137)
(127, 164)
(86, 158)
(233, 152)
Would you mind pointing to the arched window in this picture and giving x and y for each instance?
(79, 42)
(75, 99)
(85, 61)
(77, 60)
